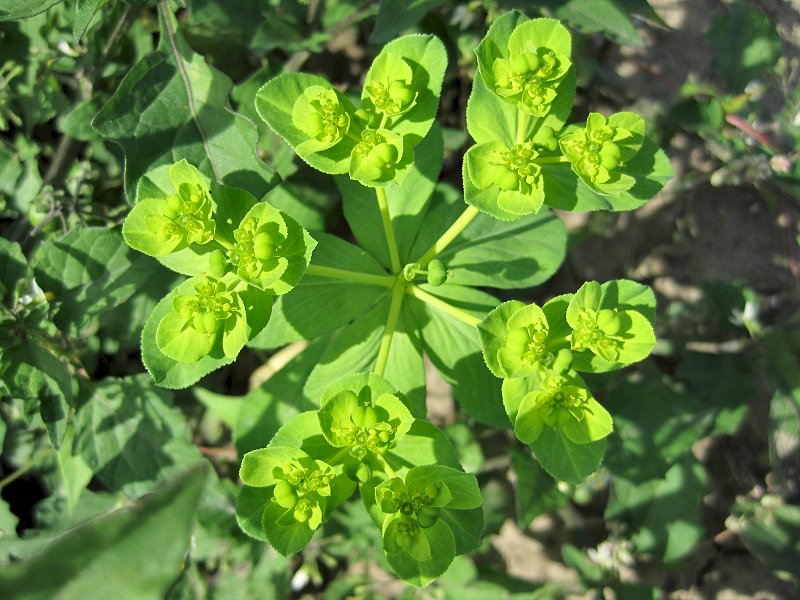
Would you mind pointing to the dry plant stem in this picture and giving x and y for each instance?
(443, 306)
(352, 276)
(398, 292)
(448, 236)
(386, 218)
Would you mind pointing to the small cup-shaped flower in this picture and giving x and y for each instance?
(271, 251)
(389, 89)
(160, 225)
(618, 336)
(365, 415)
(417, 511)
(529, 71)
(562, 402)
(598, 151)
(374, 160)
(512, 173)
(322, 115)
(297, 490)
(198, 321)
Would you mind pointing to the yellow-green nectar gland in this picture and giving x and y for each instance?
(189, 215)
(518, 169)
(211, 305)
(559, 403)
(528, 73)
(598, 154)
(367, 434)
(528, 343)
(594, 332)
(391, 99)
(329, 122)
(253, 248)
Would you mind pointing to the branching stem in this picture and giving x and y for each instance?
(443, 306)
(448, 236)
(522, 126)
(398, 291)
(391, 242)
(352, 276)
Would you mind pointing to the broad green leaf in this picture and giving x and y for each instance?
(664, 513)
(319, 305)
(407, 201)
(606, 16)
(745, 44)
(424, 444)
(172, 105)
(285, 534)
(354, 348)
(398, 16)
(493, 331)
(303, 431)
(33, 373)
(442, 551)
(650, 168)
(258, 466)
(85, 11)
(89, 271)
(536, 492)
(250, 505)
(466, 527)
(564, 459)
(75, 473)
(275, 103)
(129, 433)
(492, 253)
(11, 10)
(104, 557)
(463, 486)
(454, 349)
(13, 267)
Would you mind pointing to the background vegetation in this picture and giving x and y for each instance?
(699, 491)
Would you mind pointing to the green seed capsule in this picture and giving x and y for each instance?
(314, 124)
(400, 92)
(172, 207)
(426, 517)
(263, 247)
(609, 321)
(519, 63)
(533, 61)
(385, 153)
(437, 273)
(506, 178)
(610, 155)
(217, 263)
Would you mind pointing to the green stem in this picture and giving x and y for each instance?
(551, 160)
(448, 236)
(34, 462)
(222, 241)
(383, 204)
(388, 333)
(387, 468)
(443, 306)
(334, 460)
(522, 126)
(353, 276)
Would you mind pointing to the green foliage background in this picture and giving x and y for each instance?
(114, 487)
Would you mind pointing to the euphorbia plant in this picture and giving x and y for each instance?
(408, 287)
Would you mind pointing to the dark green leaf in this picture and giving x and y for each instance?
(589, 16)
(106, 556)
(89, 271)
(398, 16)
(22, 9)
(172, 105)
(536, 492)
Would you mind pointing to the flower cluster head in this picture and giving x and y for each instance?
(322, 115)
(302, 487)
(413, 509)
(374, 158)
(561, 402)
(601, 328)
(212, 310)
(525, 349)
(365, 417)
(179, 217)
(597, 151)
(530, 69)
(390, 91)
